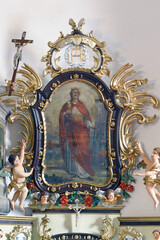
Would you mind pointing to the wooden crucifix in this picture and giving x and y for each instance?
(19, 44)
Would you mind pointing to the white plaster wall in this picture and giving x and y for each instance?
(131, 30)
(87, 223)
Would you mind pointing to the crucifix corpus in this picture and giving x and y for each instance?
(19, 44)
(77, 208)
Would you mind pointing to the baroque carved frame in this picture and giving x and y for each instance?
(128, 98)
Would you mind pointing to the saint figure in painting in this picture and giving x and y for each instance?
(74, 134)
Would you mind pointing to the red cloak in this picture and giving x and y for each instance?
(77, 134)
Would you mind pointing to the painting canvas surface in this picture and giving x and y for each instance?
(77, 144)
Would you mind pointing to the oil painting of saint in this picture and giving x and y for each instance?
(76, 146)
(74, 129)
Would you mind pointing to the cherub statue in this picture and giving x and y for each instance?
(44, 200)
(109, 199)
(156, 234)
(18, 180)
(1, 233)
(151, 173)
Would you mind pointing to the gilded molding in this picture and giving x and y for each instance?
(109, 105)
(17, 218)
(137, 220)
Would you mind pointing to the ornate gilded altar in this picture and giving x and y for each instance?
(108, 113)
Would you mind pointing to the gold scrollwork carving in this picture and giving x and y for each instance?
(25, 93)
(23, 97)
(109, 103)
(25, 120)
(18, 230)
(43, 232)
(77, 43)
(131, 101)
(108, 232)
(130, 232)
(114, 179)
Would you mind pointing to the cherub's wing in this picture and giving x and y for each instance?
(117, 191)
(54, 197)
(100, 193)
(37, 196)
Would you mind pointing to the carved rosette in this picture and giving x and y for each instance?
(133, 101)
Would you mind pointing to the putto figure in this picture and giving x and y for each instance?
(74, 130)
(44, 200)
(18, 182)
(152, 170)
(110, 198)
(156, 234)
(1, 233)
